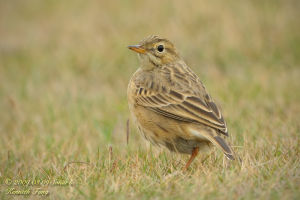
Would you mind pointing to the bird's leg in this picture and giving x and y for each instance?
(194, 154)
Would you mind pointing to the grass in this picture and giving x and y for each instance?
(64, 68)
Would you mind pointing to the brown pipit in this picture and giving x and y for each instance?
(169, 103)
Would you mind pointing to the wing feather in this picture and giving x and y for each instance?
(183, 107)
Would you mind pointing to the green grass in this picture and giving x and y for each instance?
(64, 69)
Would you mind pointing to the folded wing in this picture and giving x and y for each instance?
(182, 106)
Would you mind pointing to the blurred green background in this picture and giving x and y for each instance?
(64, 69)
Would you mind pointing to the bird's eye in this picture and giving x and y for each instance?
(160, 48)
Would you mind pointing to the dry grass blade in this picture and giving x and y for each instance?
(75, 162)
(127, 131)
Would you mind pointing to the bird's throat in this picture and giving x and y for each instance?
(147, 64)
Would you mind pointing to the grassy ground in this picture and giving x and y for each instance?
(64, 68)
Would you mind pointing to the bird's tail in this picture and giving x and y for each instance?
(220, 142)
(216, 140)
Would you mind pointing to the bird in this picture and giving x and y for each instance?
(170, 105)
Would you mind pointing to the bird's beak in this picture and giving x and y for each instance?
(137, 48)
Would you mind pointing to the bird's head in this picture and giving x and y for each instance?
(155, 52)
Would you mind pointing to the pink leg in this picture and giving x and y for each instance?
(194, 154)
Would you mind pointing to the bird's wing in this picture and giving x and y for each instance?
(182, 106)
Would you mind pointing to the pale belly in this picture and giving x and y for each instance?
(161, 133)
